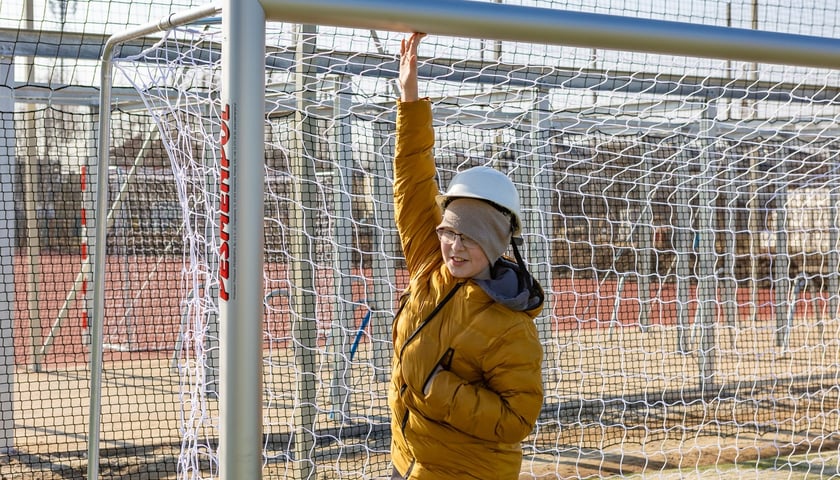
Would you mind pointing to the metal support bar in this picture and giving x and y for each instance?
(242, 241)
(7, 256)
(706, 316)
(558, 27)
(343, 311)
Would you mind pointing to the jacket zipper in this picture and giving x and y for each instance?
(411, 337)
(430, 317)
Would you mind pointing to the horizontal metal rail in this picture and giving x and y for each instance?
(497, 21)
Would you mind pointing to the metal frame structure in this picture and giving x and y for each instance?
(101, 213)
(242, 143)
(7, 347)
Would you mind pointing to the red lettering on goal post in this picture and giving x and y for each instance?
(224, 207)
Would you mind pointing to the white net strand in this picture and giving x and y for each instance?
(681, 215)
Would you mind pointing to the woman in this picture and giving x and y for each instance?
(466, 384)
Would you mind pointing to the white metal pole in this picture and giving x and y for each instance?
(781, 258)
(343, 311)
(31, 184)
(385, 246)
(645, 232)
(684, 235)
(558, 27)
(535, 197)
(7, 225)
(707, 283)
(303, 299)
(242, 172)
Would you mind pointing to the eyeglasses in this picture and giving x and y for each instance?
(448, 236)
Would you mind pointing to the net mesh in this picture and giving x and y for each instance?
(681, 213)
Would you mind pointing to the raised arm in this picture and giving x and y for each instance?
(415, 179)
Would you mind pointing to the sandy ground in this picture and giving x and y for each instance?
(777, 429)
(628, 401)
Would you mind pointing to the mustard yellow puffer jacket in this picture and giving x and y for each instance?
(478, 410)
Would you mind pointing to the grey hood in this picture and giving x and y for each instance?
(504, 287)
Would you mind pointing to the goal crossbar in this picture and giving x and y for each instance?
(494, 21)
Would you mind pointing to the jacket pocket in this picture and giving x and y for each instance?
(445, 363)
(446, 359)
(404, 421)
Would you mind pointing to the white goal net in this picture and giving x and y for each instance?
(681, 214)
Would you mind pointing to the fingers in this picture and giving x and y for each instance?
(408, 48)
(408, 66)
(412, 42)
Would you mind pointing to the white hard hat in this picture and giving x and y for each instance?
(489, 184)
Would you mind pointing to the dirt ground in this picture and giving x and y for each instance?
(628, 401)
(790, 431)
(710, 461)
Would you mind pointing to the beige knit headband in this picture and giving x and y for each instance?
(480, 221)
